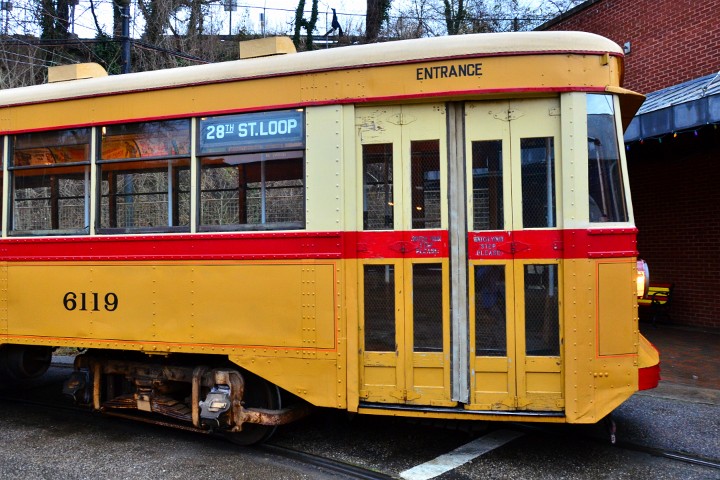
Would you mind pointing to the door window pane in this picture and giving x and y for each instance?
(490, 311)
(427, 307)
(379, 308)
(538, 182)
(425, 183)
(378, 203)
(487, 178)
(542, 321)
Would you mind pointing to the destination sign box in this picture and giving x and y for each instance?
(252, 132)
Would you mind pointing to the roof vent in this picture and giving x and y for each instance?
(265, 47)
(76, 71)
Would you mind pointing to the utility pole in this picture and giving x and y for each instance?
(230, 6)
(125, 36)
(6, 6)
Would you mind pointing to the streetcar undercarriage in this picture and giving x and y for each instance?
(219, 399)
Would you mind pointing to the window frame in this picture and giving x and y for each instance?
(83, 169)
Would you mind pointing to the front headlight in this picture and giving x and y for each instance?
(642, 279)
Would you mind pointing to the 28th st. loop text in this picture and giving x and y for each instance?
(90, 301)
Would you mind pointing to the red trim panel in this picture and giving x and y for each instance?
(552, 244)
(236, 246)
(499, 245)
(403, 244)
(648, 377)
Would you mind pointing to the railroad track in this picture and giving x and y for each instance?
(329, 465)
(635, 447)
(353, 471)
(678, 456)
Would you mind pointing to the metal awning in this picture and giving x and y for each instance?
(684, 106)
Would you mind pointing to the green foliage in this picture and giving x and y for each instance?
(308, 25)
(107, 53)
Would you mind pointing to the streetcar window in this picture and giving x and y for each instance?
(252, 171)
(378, 202)
(538, 182)
(487, 178)
(605, 182)
(241, 192)
(425, 172)
(145, 177)
(50, 182)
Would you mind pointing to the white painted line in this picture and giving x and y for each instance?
(460, 456)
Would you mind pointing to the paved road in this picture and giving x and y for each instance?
(54, 445)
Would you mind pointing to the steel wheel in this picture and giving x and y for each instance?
(258, 394)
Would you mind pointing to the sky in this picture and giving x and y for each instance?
(278, 14)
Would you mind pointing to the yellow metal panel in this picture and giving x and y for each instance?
(350, 320)
(538, 382)
(594, 385)
(220, 304)
(352, 170)
(579, 333)
(616, 322)
(648, 356)
(492, 382)
(324, 168)
(313, 380)
(465, 415)
(498, 73)
(575, 167)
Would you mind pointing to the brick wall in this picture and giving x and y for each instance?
(675, 184)
(676, 198)
(671, 41)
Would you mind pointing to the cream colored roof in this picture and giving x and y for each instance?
(345, 57)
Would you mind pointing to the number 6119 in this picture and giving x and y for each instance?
(90, 301)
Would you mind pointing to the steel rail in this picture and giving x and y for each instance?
(334, 466)
(694, 459)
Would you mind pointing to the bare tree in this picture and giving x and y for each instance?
(377, 13)
(414, 20)
(455, 16)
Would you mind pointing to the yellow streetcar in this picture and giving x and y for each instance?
(433, 228)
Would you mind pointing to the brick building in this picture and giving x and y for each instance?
(673, 146)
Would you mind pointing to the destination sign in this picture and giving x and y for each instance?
(253, 132)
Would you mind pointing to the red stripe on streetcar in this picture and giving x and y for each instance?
(500, 245)
(552, 244)
(237, 246)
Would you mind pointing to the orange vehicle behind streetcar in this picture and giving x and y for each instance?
(437, 227)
